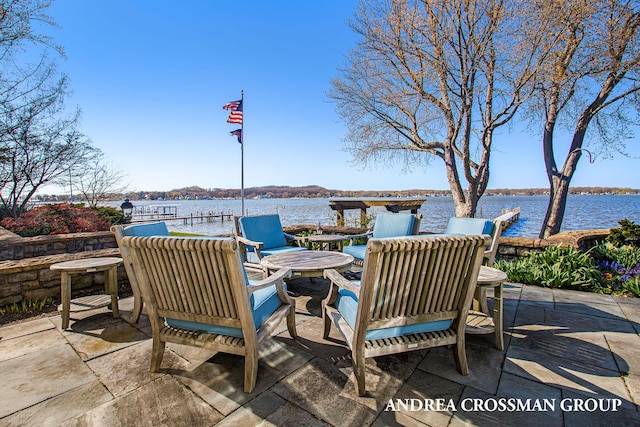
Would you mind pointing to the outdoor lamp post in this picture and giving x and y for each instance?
(127, 210)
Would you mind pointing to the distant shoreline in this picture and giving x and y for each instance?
(317, 192)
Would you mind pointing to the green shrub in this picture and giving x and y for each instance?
(555, 267)
(60, 218)
(111, 215)
(628, 233)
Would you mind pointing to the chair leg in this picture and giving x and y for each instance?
(157, 353)
(250, 369)
(327, 323)
(137, 302)
(291, 320)
(460, 355)
(359, 372)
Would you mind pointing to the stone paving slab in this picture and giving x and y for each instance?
(25, 328)
(269, 409)
(161, 402)
(35, 377)
(622, 416)
(573, 375)
(477, 408)
(101, 334)
(56, 410)
(485, 366)
(26, 344)
(624, 348)
(423, 385)
(128, 369)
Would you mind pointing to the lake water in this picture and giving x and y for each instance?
(583, 212)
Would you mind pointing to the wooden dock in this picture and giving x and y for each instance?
(197, 218)
(509, 217)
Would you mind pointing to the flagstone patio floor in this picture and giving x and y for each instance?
(570, 348)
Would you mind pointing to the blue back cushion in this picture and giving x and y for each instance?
(264, 228)
(264, 302)
(469, 226)
(393, 225)
(356, 251)
(347, 305)
(147, 230)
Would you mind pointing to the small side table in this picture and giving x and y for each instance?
(91, 265)
(327, 241)
(479, 321)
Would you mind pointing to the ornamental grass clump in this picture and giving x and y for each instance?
(555, 267)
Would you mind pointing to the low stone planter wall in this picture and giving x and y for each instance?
(25, 262)
(13, 247)
(514, 247)
(31, 278)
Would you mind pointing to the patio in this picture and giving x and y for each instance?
(566, 347)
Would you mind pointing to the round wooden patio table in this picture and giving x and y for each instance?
(307, 263)
(68, 268)
(479, 320)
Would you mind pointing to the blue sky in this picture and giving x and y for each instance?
(151, 77)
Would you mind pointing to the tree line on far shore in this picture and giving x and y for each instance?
(314, 191)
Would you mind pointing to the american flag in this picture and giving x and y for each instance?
(236, 112)
(238, 133)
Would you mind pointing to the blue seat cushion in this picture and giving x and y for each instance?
(356, 251)
(347, 305)
(468, 226)
(147, 230)
(265, 228)
(251, 256)
(264, 303)
(393, 225)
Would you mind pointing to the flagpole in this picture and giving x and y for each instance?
(242, 157)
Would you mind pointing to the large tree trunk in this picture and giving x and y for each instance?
(559, 190)
(559, 180)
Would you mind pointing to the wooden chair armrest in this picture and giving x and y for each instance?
(276, 278)
(340, 281)
(353, 237)
(299, 240)
(247, 242)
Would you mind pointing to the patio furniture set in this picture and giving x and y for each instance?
(415, 291)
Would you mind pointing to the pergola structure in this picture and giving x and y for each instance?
(392, 204)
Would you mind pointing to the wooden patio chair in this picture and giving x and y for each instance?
(262, 235)
(197, 293)
(148, 229)
(415, 293)
(386, 225)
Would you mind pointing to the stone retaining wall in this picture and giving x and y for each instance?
(31, 278)
(25, 262)
(514, 247)
(16, 247)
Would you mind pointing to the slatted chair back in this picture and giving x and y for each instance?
(415, 293)
(197, 293)
(120, 231)
(407, 281)
(198, 280)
